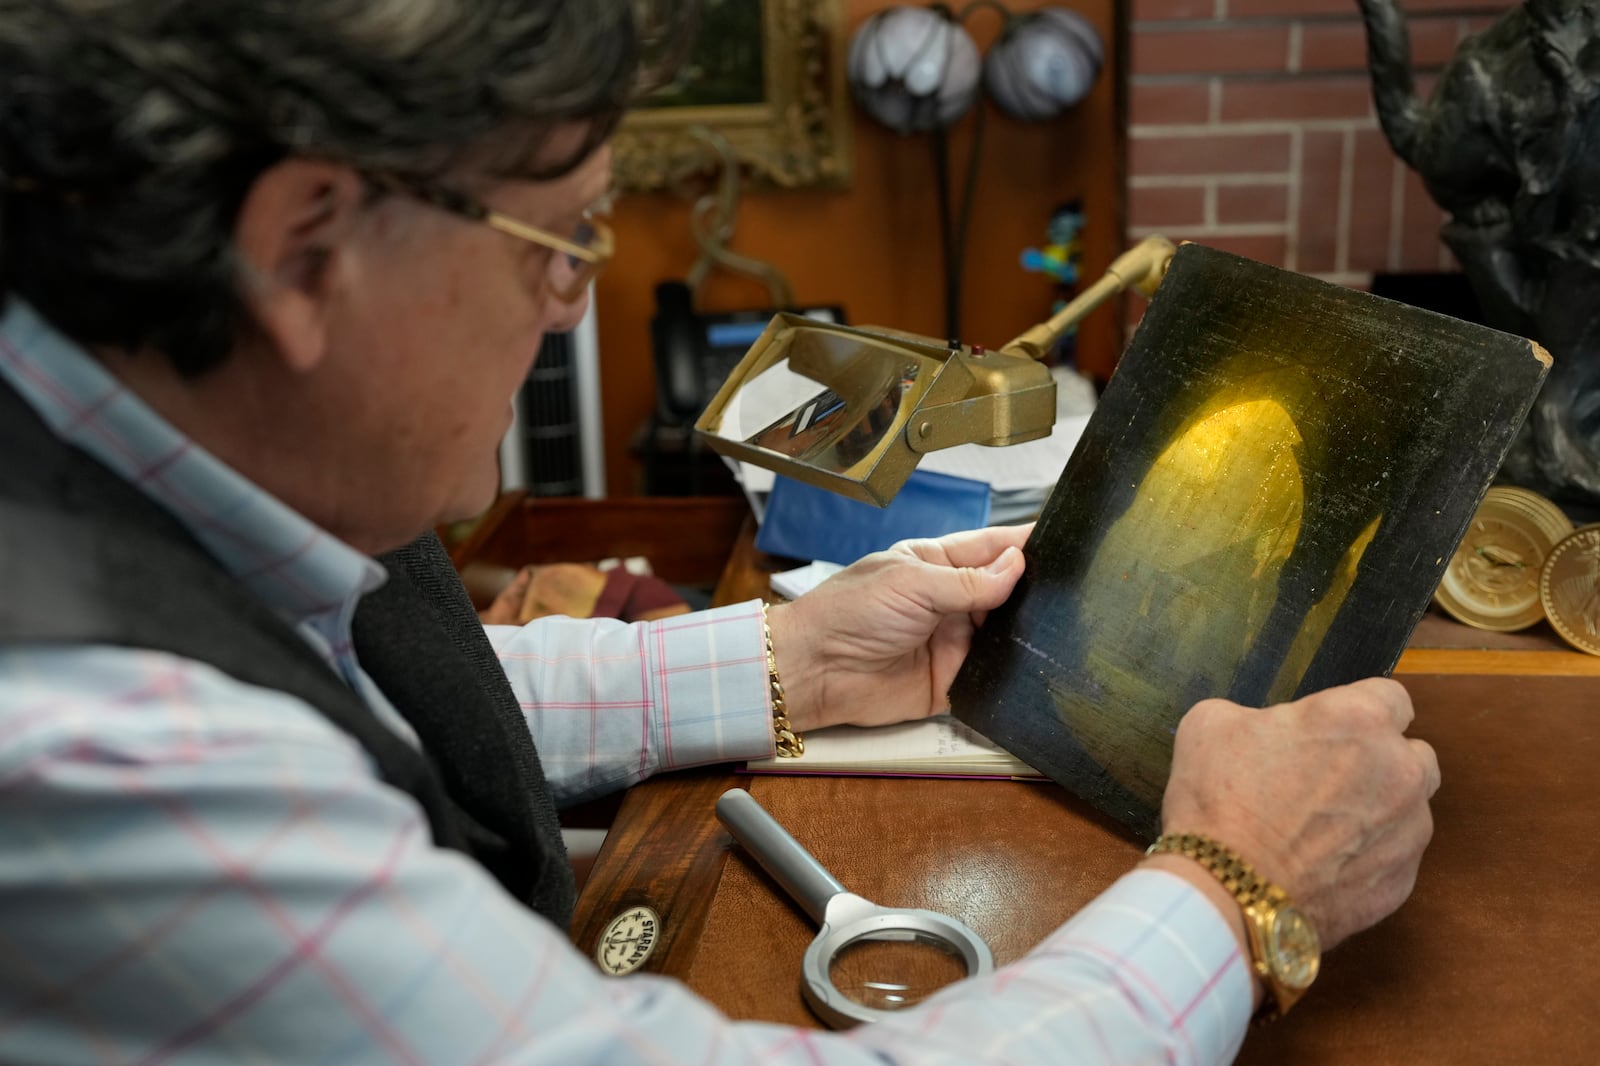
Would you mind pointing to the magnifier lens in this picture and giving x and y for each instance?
(895, 970)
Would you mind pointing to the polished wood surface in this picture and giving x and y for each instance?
(1490, 961)
(688, 539)
(1553, 662)
(748, 572)
(1441, 645)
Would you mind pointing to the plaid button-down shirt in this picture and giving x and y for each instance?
(196, 870)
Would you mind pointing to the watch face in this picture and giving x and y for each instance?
(1293, 951)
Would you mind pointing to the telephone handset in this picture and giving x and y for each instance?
(695, 353)
(677, 338)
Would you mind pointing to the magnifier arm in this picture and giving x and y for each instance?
(1010, 399)
(1141, 267)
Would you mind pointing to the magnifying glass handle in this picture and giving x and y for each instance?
(780, 854)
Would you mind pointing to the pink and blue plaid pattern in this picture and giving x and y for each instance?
(193, 870)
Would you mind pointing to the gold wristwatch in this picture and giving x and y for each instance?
(1286, 952)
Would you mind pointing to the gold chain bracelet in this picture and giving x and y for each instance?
(790, 744)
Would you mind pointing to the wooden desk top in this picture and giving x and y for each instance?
(1492, 960)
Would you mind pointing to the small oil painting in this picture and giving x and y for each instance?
(1260, 508)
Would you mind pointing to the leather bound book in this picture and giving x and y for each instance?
(1260, 508)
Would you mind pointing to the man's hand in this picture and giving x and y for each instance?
(881, 641)
(1326, 796)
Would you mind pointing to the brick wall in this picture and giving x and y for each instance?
(1251, 129)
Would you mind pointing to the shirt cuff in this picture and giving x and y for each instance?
(1173, 954)
(712, 701)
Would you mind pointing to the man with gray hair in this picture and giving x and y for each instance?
(272, 271)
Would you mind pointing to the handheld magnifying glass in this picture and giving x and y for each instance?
(866, 961)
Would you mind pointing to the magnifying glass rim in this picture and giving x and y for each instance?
(838, 1009)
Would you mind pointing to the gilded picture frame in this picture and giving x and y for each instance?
(792, 132)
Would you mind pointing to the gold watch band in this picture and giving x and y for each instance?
(1236, 875)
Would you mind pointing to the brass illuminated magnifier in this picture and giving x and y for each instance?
(853, 410)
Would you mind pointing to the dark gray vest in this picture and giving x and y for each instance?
(86, 558)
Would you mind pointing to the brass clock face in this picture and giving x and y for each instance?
(1492, 580)
(628, 940)
(1569, 587)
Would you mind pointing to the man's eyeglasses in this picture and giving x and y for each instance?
(579, 259)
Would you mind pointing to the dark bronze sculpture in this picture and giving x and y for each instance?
(1509, 145)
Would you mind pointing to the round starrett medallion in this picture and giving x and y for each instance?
(1569, 585)
(1492, 580)
(628, 940)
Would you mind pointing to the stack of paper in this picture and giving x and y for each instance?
(929, 747)
(792, 584)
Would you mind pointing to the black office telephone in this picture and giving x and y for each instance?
(695, 353)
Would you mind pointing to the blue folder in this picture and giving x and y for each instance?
(803, 522)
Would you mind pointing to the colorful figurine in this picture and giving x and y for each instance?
(1063, 255)
(1061, 259)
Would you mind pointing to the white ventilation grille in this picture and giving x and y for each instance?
(554, 445)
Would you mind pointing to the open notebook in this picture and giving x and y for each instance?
(930, 747)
